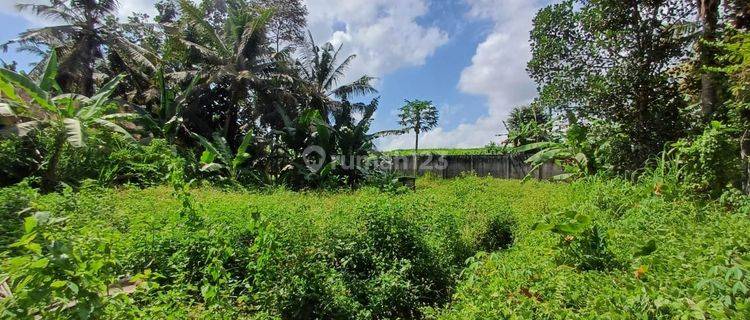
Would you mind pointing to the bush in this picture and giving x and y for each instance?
(711, 161)
(12, 201)
(372, 255)
(587, 251)
(17, 160)
(497, 234)
(389, 268)
(143, 165)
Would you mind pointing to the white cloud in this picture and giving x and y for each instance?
(383, 34)
(141, 6)
(126, 8)
(497, 72)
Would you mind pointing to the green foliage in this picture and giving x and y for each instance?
(142, 165)
(68, 118)
(617, 249)
(574, 152)
(710, 161)
(587, 251)
(13, 201)
(594, 65)
(218, 157)
(418, 116)
(527, 124)
(498, 234)
(51, 276)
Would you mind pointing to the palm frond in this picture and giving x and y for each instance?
(253, 36)
(339, 71)
(194, 14)
(360, 86)
(209, 55)
(60, 11)
(134, 56)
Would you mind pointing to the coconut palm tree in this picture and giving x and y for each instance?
(87, 29)
(236, 57)
(319, 67)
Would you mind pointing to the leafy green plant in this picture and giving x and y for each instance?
(168, 119)
(307, 129)
(498, 234)
(138, 164)
(50, 276)
(729, 285)
(69, 116)
(582, 245)
(13, 201)
(527, 124)
(573, 153)
(354, 143)
(218, 157)
(710, 162)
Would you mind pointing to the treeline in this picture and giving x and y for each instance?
(622, 82)
(230, 90)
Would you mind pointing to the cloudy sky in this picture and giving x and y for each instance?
(467, 56)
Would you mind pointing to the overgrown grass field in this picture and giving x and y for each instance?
(454, 249)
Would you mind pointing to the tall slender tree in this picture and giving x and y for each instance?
(708, 13)
(419, 116)
(286, 27)
(321, 70)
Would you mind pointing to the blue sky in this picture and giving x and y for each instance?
(467, 56)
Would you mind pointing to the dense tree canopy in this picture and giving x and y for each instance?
(611, 60)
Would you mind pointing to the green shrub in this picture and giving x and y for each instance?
(143, 165)
(711, 161)
(497, 234)
(12, 201)
(587, 251)
(17, 160)
(370, 255)
(734, 200)
(389, 269)
(54, 277)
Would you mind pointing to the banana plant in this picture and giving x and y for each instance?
(167, 120)
(218, 157)
(28, 105)
(572, 153)
(306, 130)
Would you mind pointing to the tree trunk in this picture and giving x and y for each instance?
(740, 14)
(76, 70)
(709, 16)
(416, 151)
(231, 125)
(49, 178)
(744, 154)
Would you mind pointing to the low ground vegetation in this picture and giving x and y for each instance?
(453, 249)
